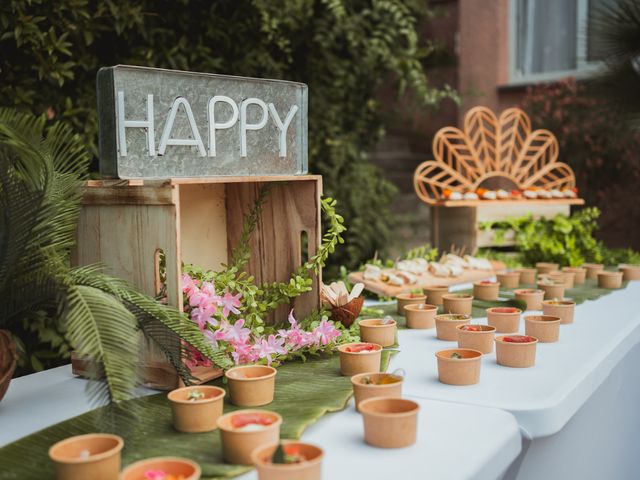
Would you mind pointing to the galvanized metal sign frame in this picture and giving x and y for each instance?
(157, 123)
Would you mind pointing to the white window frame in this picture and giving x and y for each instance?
(583, 68)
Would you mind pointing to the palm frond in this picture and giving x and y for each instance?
(147, 311)
(101, 328)
(616, 35)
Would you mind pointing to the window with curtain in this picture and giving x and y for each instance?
(550, 38)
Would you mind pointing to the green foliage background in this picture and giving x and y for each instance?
(568, 241)
(343, 49)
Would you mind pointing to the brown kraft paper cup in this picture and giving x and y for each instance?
(170, 465)
(421, 316)
(435, 293)
(389, 422)
(101, 463)
(405, 299)
(446, 326)
(532, 297)
(310, 469)
(481, 341)
(458, 303)
(237, 445)
(630, 272)
(486, 291)
(251, 385)
(372, 330)
(515, 355)
(552, 290)
(545, 267)
(459, 371)
(609, 279)
(528, 276)
(352, 363)
(546, 328)
(580, 274)
(509, 279)
(564, 309)
(194, 416)
(363, 391)
(593, 269)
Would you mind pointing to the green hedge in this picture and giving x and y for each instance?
(343, 49)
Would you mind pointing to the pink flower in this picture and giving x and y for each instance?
(294, 336)
(211, 336)
(325, 332)
(266, 348)
(243, 353)
(203, 315)
(233, 333)
(196, 359)
(188, 285)
(155, 475)
(229, 303)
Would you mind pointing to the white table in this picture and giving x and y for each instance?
(454, 441)
(577, 407)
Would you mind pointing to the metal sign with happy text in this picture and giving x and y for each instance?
(158, 123)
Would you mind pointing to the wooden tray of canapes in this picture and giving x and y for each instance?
(424, 280)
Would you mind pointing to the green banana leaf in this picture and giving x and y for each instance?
(305, 391)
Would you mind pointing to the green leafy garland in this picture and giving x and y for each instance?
(259, 300)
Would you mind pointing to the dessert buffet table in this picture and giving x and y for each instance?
(489, 438)
(577, 407)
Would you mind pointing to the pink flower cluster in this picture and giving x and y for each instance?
(245, 346)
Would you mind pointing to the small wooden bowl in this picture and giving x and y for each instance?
(458, 303)
(486, 290)
(237, 444)
(405, 299)
(363, 391)
(546, 328)
(481, 340)
(390, 422)
(170, 465)
(564, 309)
(435, 293)
(347, 314)
(629, 272)
(459, 371)
(194, 416)
(609, 279)
(509, 279)
(593, 269)
(579, 274)
(352, 363)
(309, 469)
(251, 385)
(421, 316)
(515, 355)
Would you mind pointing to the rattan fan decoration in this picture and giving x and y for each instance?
(492, 147)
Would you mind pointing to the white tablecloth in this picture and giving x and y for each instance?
(577, 407)
(488, 439)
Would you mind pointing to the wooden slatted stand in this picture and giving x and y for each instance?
(125, 224)
(492, 152)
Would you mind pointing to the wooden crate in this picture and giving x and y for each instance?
(458, 222)
(126, 223)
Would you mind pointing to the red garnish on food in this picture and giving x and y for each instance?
(363, 347)
(471, 328)
(505, 310)
(243, 419)
(516, 193)
(519, 339)
(446, 193)
(486, 282)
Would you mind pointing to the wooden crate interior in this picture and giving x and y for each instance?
(125, 225)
